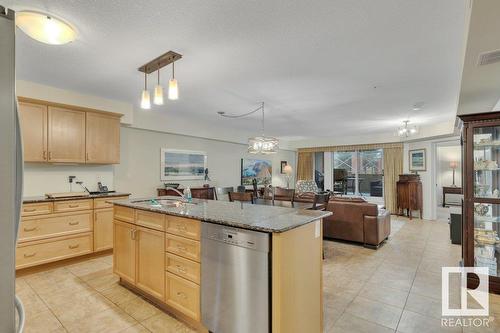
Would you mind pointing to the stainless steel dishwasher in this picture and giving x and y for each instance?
(235, 279)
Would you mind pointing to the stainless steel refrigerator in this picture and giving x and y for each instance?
(11, 175)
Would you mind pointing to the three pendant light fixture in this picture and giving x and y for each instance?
(154, 65)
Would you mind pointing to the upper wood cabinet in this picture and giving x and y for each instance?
(34, 124)
(59, 133)
(66, 135)
(102, 138)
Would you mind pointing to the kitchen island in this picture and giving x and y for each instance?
(161, 252)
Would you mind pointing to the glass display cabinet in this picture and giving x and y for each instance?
(481, 210)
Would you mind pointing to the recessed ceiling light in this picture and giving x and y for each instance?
(45, 28)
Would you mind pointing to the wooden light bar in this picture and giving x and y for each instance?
(159, 62)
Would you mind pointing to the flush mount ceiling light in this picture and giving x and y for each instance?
(258, 144)
(45, 28)
(154, 65)
(407, 130)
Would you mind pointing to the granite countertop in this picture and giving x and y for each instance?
(43, 198)
(235, 214)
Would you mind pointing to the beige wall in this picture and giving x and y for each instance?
(139, 170)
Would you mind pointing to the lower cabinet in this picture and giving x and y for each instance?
(124, 259)
(151, 261)
(159, 263)
(103, 229)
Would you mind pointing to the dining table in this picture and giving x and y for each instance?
(282, 203)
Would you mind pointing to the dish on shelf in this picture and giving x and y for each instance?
(485, 165)
(481, 209)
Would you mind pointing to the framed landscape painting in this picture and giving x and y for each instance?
(417, 160)
(182, 164)
(261, 170)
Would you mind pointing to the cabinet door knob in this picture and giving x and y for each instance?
(50, 155)
(44, 155)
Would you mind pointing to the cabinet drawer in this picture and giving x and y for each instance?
(183, 227)
(39, 227)
(150, 220)
(38, 208)
(183, 267)
(40, 252)
(103, 202)
(72, 205)
(125, 214)
(183, 247)
(183, 295)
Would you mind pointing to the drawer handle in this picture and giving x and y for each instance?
(181, 295)
(181, 248)
(74, 206)
(29, 209)
(72, 247)
(181, 269)
(26, 255)
(30, 229)
(74, 223)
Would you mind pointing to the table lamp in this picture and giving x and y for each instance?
(453, 166)
(288, 174)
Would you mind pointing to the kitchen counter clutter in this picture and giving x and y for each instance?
(56, 229)
(168, 252)
(235, 214)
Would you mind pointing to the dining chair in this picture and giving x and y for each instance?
(241, 196)
(321, 201)
(222, 192)
(283, 194)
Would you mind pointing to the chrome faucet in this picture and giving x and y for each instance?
(179, 193)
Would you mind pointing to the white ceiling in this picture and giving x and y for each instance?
(325, 68)
(480, 89)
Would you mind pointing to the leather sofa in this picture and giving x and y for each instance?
(356, 220)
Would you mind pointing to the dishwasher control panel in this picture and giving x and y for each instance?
(239, 237)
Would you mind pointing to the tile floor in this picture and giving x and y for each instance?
(396, 288)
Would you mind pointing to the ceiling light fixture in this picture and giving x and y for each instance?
(158, 99)
(258, 144)
(145, 100)
(407, 130)
(45, 28)
(165, 59)
(173, 90)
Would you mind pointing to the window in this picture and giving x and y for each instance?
(319, 170)
(359, 172)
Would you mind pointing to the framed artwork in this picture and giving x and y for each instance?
(182, 164)
(417, 160)
(283, 164)
(261, 170)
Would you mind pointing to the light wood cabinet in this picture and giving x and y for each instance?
(66, 133)
(103, 229)
(102, 138)
(34, 131)
(37, 208)
(59, 133)
(183, 295)
(124, 252)
(150, 261)
(72, 205)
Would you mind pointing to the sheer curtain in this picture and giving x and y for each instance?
(393, 167)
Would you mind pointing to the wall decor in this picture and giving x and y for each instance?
(283, 164)
(417, 160)
(261, 170)
(182, 164)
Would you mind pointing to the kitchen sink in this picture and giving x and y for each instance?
(164, 202)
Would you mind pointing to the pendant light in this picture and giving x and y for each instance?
(158, 99)
(173, 90)
(145, 101)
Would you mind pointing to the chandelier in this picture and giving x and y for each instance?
(258, 144)
(406, 130)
